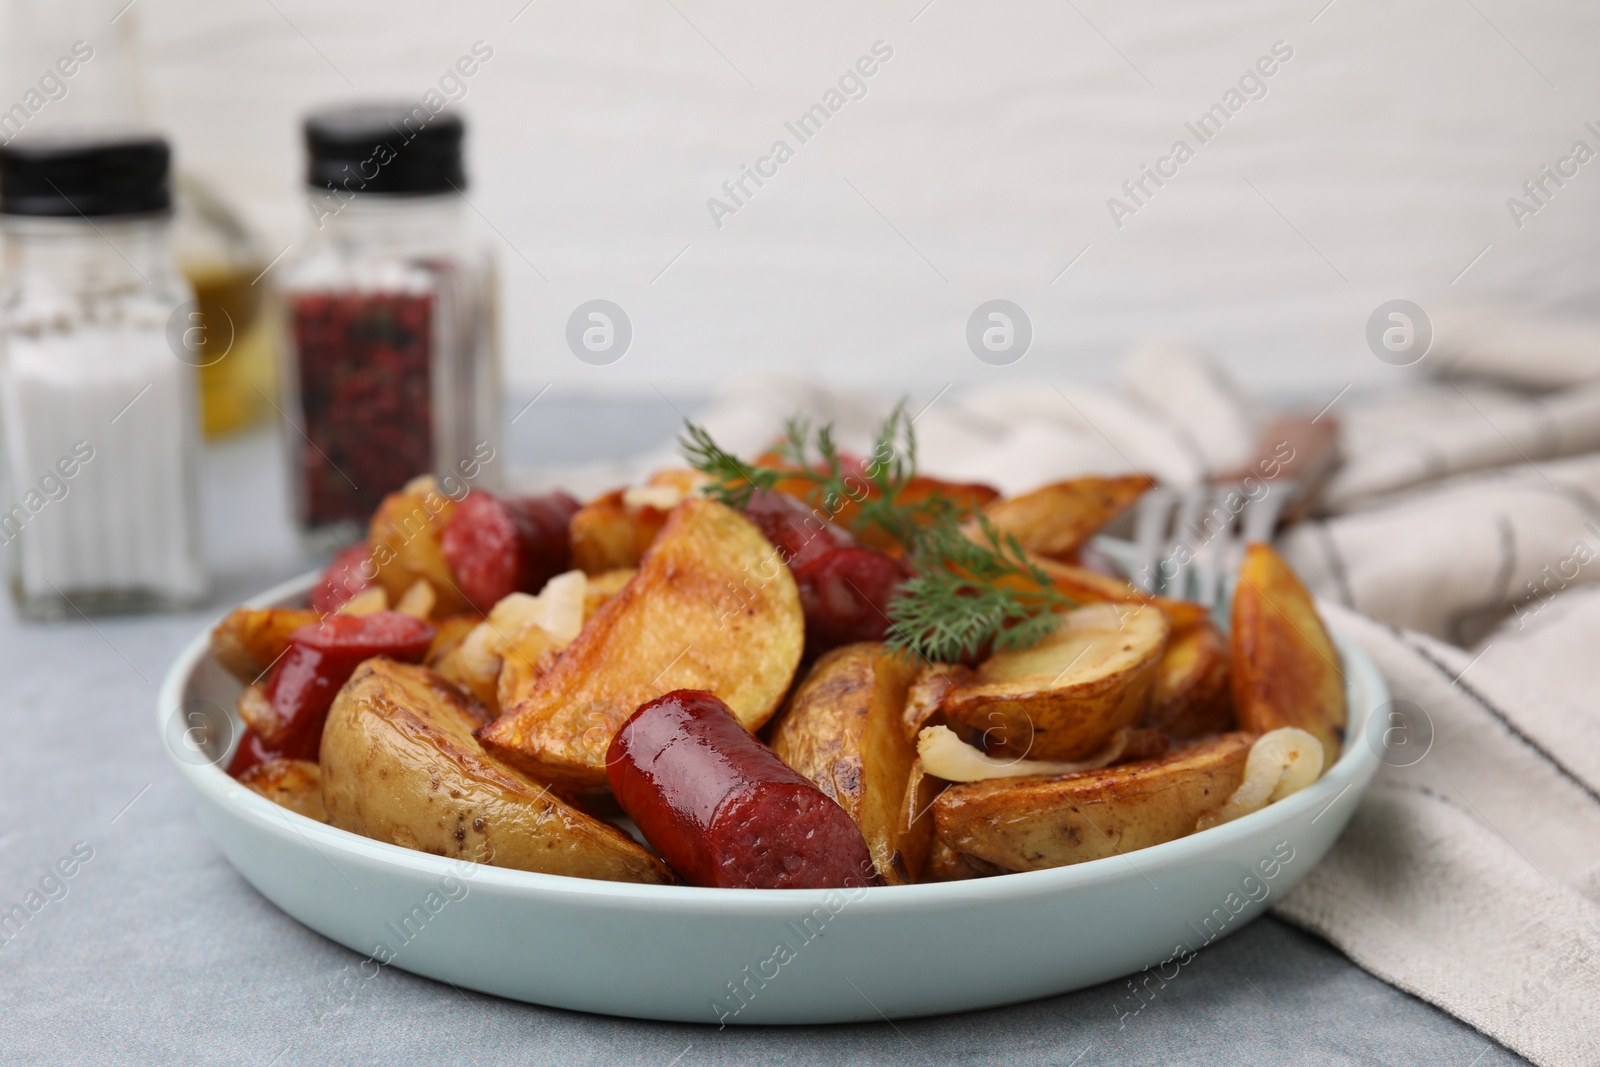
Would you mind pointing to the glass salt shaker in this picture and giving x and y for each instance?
(97, 381)
(391, 367)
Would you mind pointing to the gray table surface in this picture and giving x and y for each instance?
(160, 953)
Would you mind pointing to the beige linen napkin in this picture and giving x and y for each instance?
(1471, 878)
(1510, 345)
(1451, 559)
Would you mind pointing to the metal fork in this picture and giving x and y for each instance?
(1186, 543)
(1189, 544)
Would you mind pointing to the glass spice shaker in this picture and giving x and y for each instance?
(97, 381)
(391, 367)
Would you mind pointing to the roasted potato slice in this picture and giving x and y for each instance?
(1055, 520)
(841, 729)
(1064, 698)
(250, 640)
(1286, 670)
(614, 531)
(404, 538)
(711, 608)
(1192, 695)
(602, 587)
(928, 690)
(400, 764)
(295, 784)
(1029, 824)
(604, 535)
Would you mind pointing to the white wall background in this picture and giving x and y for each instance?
(978, 166)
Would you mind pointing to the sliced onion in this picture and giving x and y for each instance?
(1281, 762)
(944, 755)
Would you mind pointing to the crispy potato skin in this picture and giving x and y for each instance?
(606, 534)
(1193, 695)
(295, 784)
(711, 608)
(400, 764)
(404, 537)
(602, 587)
(249, 640)
(602, 535)
(1064, 698)
(841, 729)
(1030, 824)
(1286, 670)
(1055, 520)
(928, 690)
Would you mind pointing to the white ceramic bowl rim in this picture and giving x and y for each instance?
(1355, 764)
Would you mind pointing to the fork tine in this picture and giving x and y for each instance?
(1149, 533)
(1190, 506)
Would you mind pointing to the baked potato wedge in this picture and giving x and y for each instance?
(1055, 520)
(841, 729)
(404, 538)
(712, 607)
(614, 531)
(606, 535)
(295, 784)
(1192, 694)
(250, 640)
(1064, 698)
(400, 764)
(1029, 824)
(1286, 670)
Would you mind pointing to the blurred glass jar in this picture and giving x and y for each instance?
(391, 367)
(96, 385)
(236, 327)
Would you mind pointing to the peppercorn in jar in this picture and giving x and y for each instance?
(391, 368)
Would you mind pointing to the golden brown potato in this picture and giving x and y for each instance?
(1064, 698)
(603, 536)
(1286, 670)
(602, 587)
(946, 865)
(607, 534)
(1028, 824)
(404, 537)
(927, 692)
(841, 729)
(1091, 587)
(250, 640)
(295, 784)
(915, 830)
(1192, 694)
(1055, 520)
(400, 764)
(712, 608)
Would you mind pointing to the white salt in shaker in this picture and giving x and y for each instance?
(97, 381)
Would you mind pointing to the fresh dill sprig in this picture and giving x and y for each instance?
(970, 594)
(971, 588)
(733, 479)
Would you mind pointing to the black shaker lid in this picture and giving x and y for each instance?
(384, 148)
(70, 176)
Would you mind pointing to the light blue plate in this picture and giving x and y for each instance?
(752, 956)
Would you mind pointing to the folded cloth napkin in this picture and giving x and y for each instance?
(1471, 876)
(1452, 558)
(1396, 441)
(1512, 346)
